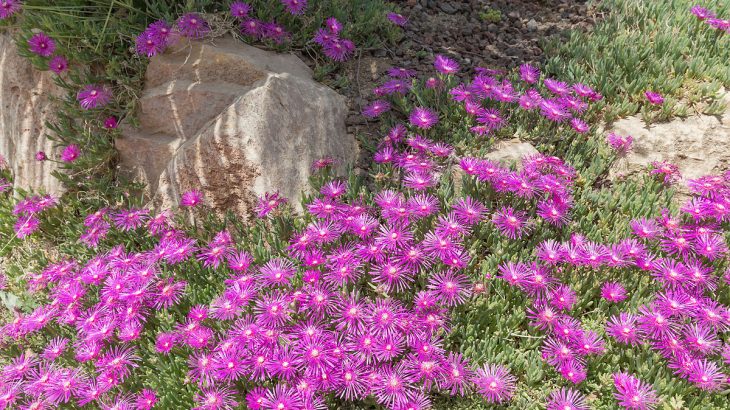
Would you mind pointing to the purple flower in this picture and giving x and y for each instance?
(191, 198)
(42, 45)
(333, 26)
(445, 65)
(632, 393)
(668, 171)
(8, 8)
(240, 9)
(376, 108)
(339, 49)
(654, 98)
(70, 153)
(494, 383)
(702, 13)
(110, 123)
(529, 74)
(623, 328)
(566, 399)
(511, 223)
(557, 87)
(58, 64)
(423, 118)
(93, 96)
(40, 156)
(621, 144)
(192, 25)
(580, 126)
(295, 7)
(613, 292)
(397, 19)
(26, 225)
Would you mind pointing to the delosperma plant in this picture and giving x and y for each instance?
(442, 279)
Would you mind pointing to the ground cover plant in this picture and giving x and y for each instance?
(440, 280)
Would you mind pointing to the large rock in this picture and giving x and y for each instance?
(234, 122)
(698, 145)
(25, 106)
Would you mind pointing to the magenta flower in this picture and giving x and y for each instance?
(423, 118)
(632, 393)
(58, 64)
(70, 153)
(240, 9)
(191, 198)
(192, 25)
(339, 49)
(494, 383)
(295, 7)
(93, 96)
(567, 399)
(8, 8)
(702, 13)
(621, 144)
(445, 65)
(397, 19)
(667, 171)
(529, 74)
(26, 225)
(510, 223)
(654, 98)
(376, 108)
(613, 292)
(40, 156)
(42, 45)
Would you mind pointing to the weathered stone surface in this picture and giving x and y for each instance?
(25, 106)
(511, 151)
(234, 122)
(699, 145)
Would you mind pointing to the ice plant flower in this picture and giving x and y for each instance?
(110, 123)
(632, 393)
(40, 156)
(42, 45)
(445, 65)
(8, 8)
(654, 98)
(295, 7)
(191, 198)
(495, 383)
(566, 399)
(93, 96)
(240, 9)
(621, 144)
(397, 19)
(70, 153)
(58, 64)
(192, 25)
(423, 118)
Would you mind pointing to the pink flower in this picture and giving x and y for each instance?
(40, 156)
(58, 64)
(654, 98)
(397, 19)
(191, 198)
(70, 153)
(93, 96)
(423, 118)
(42, 45)
(445, 65)
(110, 123)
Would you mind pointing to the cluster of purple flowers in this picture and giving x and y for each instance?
(710, 18)
(489, 93)
(546, 180)
(261, 30)
(683, 321)
(44, 46)
(159, 35)
(334, 47)
(27, 213)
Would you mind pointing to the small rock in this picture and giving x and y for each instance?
(532, 25)
(447, 7)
